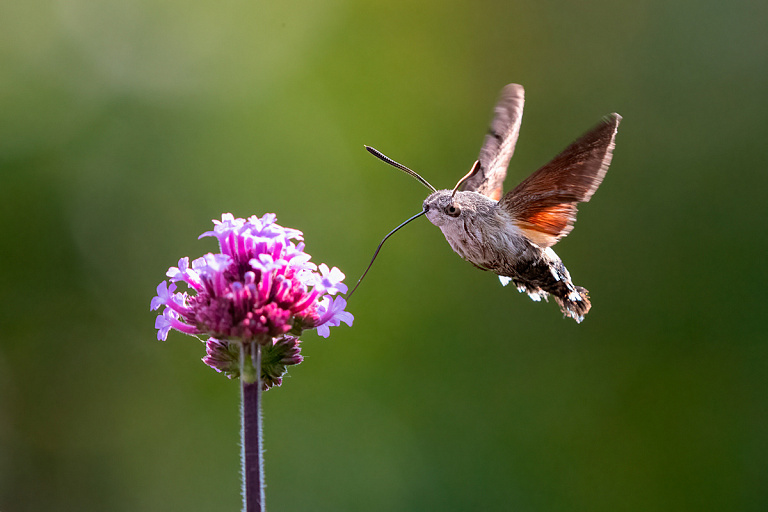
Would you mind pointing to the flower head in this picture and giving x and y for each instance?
(259, 288)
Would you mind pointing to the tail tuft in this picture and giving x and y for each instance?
(574, 304)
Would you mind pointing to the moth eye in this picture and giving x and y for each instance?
(453, 211)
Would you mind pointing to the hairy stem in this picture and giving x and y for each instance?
(252, 462)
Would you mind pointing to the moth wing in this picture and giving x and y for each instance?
(544, 204)
(499, 144)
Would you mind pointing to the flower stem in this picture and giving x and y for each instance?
(252, 462)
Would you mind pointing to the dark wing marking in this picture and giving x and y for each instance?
(499, 144)
(544, 205)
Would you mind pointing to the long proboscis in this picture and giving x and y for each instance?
(379, 248)
(384, 158)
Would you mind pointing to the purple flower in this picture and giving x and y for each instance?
(260, 287)
(164, 295)
(332, 314)
(331, 280)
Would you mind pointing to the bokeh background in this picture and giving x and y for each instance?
(125, 127)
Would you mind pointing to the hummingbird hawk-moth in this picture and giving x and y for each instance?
(512, 234)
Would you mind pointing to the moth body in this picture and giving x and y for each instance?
(479, 230)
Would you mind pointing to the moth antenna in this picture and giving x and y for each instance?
(379, 248)
(466, 177)
(381, 156)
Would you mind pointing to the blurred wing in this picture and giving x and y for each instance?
(499, 144)
(544, 205)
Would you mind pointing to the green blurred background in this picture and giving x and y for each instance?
(126, 126)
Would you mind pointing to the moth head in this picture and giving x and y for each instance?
(443, 207)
